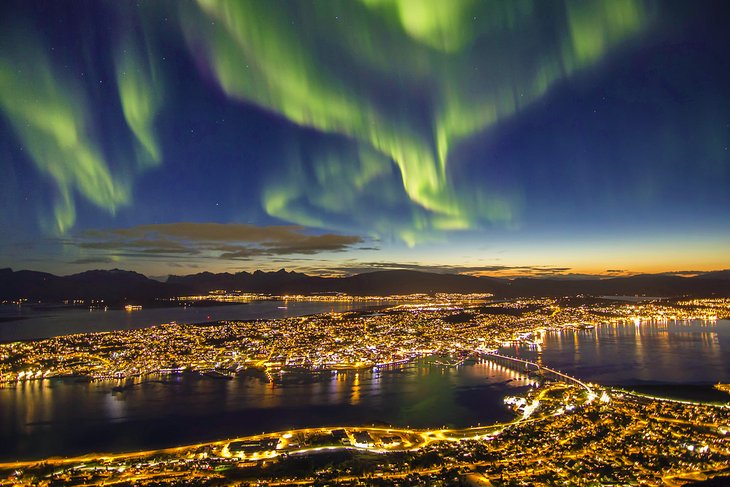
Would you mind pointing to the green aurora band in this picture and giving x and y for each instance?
(50, 113)
(139, 92)
(449, 81)
(394, 86)
(50, 117)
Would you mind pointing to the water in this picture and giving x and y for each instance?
(25, 323)
(58, 417)
(37, 419)
(679, 359)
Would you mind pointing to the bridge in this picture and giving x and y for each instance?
(545, 371)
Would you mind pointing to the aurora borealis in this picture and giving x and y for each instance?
(513, 137)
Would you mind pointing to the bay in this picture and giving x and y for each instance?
(63, 417)
(680, 359)
(674, 358)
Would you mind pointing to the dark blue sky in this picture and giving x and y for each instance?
(498, 137)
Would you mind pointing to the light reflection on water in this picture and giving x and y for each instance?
(44, 418)
(646, 352)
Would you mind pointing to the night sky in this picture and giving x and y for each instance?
(331, 137)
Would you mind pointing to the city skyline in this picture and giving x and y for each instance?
(508, 139)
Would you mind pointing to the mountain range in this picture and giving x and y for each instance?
(119, 286)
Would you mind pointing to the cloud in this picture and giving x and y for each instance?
(176, 264)
(209, 240)
(140, 245)
(683, 273)
(495, 270)
(352, 267)
(219, 232)
(93, 260)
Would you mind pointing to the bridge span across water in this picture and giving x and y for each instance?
(535, 367)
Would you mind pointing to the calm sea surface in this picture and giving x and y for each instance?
(675, 352)
(57, 417)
